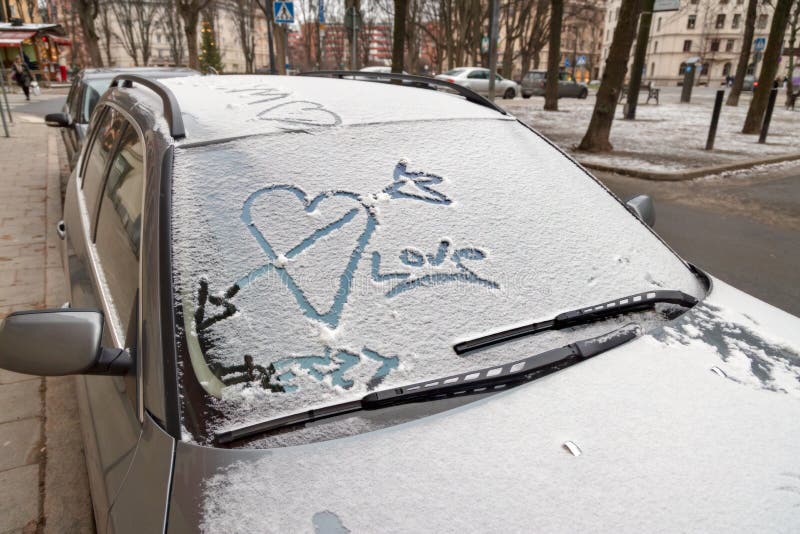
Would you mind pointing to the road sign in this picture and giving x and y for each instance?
(321, 15)
(284, 12)
(760, 44)
(580, 61)
(566, 62)
(666, 5)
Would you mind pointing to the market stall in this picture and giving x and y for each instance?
(40, 45)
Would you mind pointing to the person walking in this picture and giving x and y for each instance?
(22, 75)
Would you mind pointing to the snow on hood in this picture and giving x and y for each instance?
(217, 107)
(667, 446)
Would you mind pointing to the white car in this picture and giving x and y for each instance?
(477, 79)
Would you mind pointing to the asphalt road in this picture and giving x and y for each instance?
(742, 228)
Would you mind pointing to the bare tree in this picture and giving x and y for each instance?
(105, 26)
(597, 134)
(145, 20)
(87, 12)
(553, 56)
(244, 18)
(124, 14)
(794, 26)
(171, 27)
(744, 54)
(769, 68)
(189, 10)
(399, 36)
(536, 34)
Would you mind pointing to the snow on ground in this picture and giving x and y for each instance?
(666, 137)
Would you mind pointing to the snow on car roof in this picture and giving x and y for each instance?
(221, 107)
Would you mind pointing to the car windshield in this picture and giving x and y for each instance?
(94, 90)
(313, 268)
(454, 72)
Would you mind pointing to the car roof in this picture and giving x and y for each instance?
(150, 72)
(217, 108)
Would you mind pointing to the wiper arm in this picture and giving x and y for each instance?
(590, 314)
(473, 382)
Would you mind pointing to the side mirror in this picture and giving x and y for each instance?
(642, 206)
(59, 342)
(57, 120)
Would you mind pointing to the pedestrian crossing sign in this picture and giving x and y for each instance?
(284, 12)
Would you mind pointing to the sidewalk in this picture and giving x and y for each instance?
(667, 141)
(43, 484)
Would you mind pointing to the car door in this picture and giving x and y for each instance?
(478, 81)
(103, 223)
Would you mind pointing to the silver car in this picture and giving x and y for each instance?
(477, 79)
(533, 83)
(294, 309)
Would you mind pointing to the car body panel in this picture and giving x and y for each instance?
(667, 445)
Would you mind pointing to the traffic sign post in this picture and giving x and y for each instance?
(760, 44)
(581, 61)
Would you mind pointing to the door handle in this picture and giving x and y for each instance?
(61, 229)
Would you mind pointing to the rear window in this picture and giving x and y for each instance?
(315, 268)
(535, 75)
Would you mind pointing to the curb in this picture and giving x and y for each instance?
(689, 173)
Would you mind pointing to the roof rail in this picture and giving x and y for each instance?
(172, 112)
(468, 94)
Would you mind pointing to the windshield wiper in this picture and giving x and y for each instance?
(473, 382)
(589, 314)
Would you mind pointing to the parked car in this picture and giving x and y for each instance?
(477, 79)
(750, 83)
(87, 87)
(533, 83)
(292, 308)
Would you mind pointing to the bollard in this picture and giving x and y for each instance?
(773, 94)
(688, 84)
(712, 130)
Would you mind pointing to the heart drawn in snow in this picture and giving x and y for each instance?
(300, 112)
(314, 244)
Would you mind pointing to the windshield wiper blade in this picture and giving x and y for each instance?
(473, 382)
(589, 314)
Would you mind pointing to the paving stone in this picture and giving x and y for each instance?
(20, 443)
(19, 497)
(20, 400)
(9, 377)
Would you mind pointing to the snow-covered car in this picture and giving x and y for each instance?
(477, 79)
(295, 309)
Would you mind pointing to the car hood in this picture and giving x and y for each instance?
(693, 427)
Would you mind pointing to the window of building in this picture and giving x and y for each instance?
(720, 21)
(652, 69)
(704, 69)
(737, 19)
(729, 45)
(687, 45)
(715, 45)
(693, 1)
(692, 22)
(726, 69)
(658, 24)
(761, 23)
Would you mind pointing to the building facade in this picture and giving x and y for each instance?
(709, 33)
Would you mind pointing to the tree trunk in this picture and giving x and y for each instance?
(792, 40)
(553, 56)
(769, 68)
(645, 20)
(599, 131)
(189, 11)
(398, 39)
(87, 12)
(744, 55)
(279, 31)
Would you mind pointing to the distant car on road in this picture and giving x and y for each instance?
(750, 83)
(85, 92)
(477, 79)
(534, 84)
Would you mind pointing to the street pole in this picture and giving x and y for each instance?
(286, 50)
(493, 23)
(354, 55)
(5, 94)
(272, 70)
(574, 51)
(773, 94)
(712, 131)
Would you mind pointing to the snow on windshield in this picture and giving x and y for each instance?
(313, 268)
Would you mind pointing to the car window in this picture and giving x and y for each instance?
(304, 282)
(73, 100)
(454, 72)
(477, 75)
(91, 95)
(119, 226)
(94, 168)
